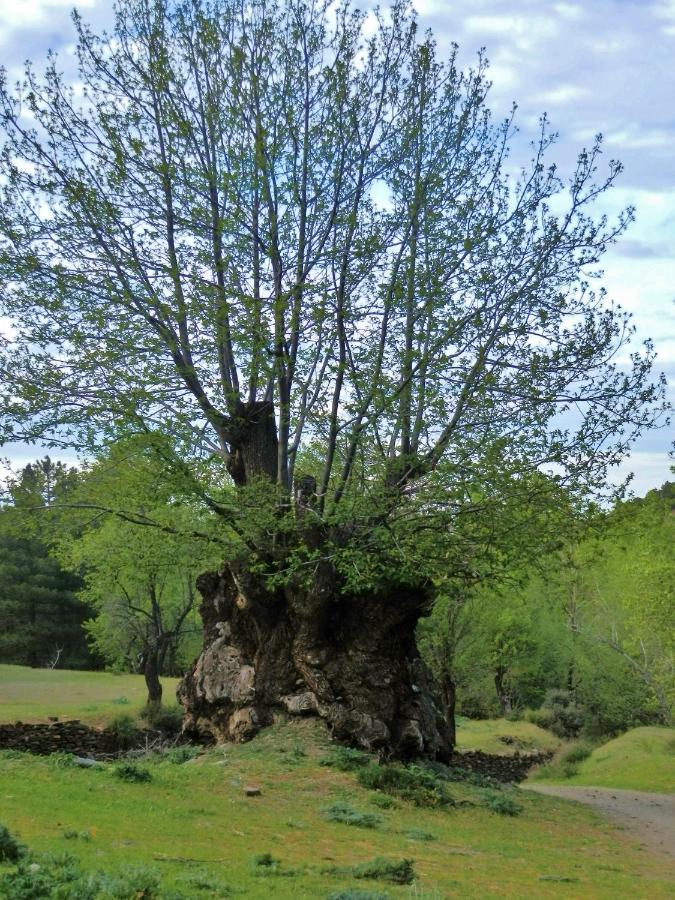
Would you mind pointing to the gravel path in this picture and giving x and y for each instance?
(650, 817)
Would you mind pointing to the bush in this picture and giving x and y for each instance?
(10, 849)
(501, 803)
(342, 812)
(264, 864)
(383, 801)
(62, 760)
(123, 728)
(131, 772)
(345, 759)
(412, 783)
(180, 755)
(378, 869)
(566, 716)
(417, 834)
(60, 877)
(167, 719)
(577, 753)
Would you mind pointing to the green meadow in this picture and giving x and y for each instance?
(313, 831)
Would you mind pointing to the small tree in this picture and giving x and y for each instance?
(281, 236)
(138, 575)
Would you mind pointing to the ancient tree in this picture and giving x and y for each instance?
(289, 238)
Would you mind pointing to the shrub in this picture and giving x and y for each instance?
(265, 864)
(417, 834)
(577, 753)
(61, 877)
(203, 881)
(501, 803)
(123, 728)
(342, 812)
(131, 772)
(62, 760)
(10, 849)
(346, 759)
(383, 801)
(71, 835)
(379, 869)
(412, 783)
(167, 719)
(180, 755)
(566, 716)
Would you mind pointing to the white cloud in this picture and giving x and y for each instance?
(32, 12)
(650, 470)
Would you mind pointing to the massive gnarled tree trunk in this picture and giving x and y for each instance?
(312, 651)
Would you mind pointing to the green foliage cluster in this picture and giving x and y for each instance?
(344, 813)
(128, 771)
(500, 802)
(577, 640)
(59, 877)
(10, 849)
(412, 783)
(379, 869)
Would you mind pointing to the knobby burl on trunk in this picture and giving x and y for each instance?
(351, 659)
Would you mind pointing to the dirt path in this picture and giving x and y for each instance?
(650, 817)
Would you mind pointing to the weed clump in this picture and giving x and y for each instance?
(501, 803)
(346, 759)
(123, 728)
(379, 869)
(72, 835)
(412, 783)
(342, 812)
(167, 719)
(131, 772)
(10, 849)
(417, 834)
(203, 881)
(180, 755)
(356, 894)
(62, 760)
(61, 877)
(265, 865)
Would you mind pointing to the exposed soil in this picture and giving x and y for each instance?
(649, 817)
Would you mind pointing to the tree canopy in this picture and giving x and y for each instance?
(286, 233)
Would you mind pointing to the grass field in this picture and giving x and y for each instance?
(642, 760)
(485, 734)
(193, 824)
(31, 695)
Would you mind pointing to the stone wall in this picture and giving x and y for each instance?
(501, 768)
(66, 737)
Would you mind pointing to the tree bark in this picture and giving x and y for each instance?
(502, 693)
(151, 669)
(311, 650)
(450, 702)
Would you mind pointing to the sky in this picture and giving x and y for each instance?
(593, 66)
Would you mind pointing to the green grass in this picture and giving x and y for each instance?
(31, 695)
(192, 828)
(642, 760)
(193, 824)
(485, 734)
